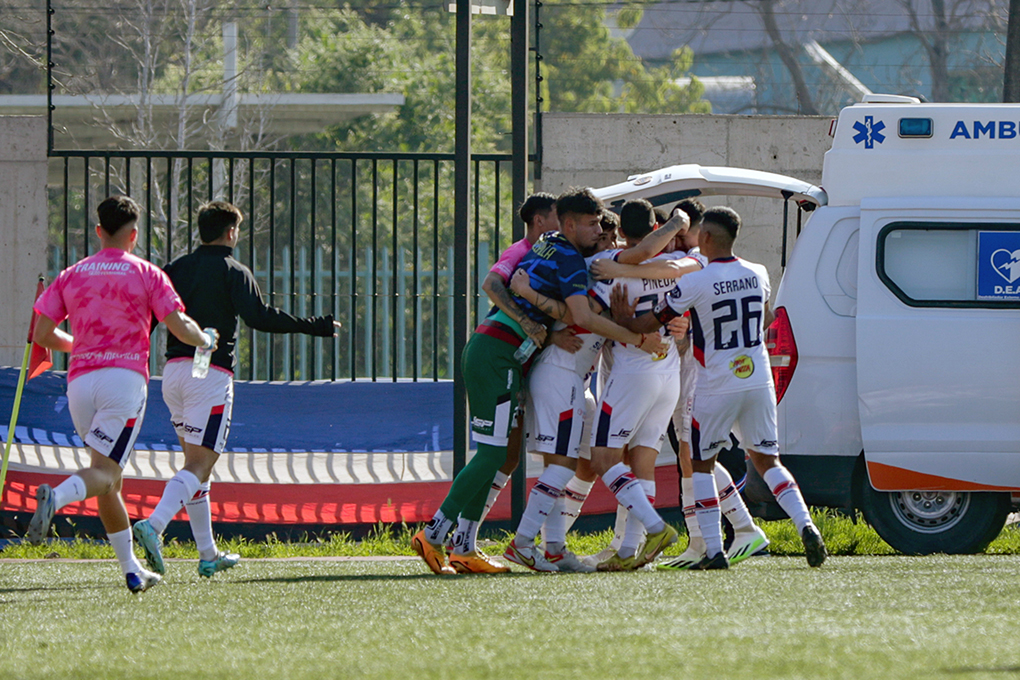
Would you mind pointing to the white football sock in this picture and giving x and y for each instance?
(620, 526)
(730, 501)
(547, 489)
(122, 547)
(464, 537)
(71, 490)
(574, 495)
(627, 489)
(438, 528)
(787, 494)
(690, 518)
(706, 508)
(178, 491)
(554, 531)
(635, 530)
(200, 519)
(498, 484)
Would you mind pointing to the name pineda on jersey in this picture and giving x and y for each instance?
(745, 283)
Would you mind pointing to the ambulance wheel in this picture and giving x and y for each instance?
(926, 522)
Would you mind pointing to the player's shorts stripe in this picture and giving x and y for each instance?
(212, 427)
(119, 449)
(697, 338)
(563, 433)
(695, 440)
(605, 418)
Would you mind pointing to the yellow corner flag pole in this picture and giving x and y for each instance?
(14, 416)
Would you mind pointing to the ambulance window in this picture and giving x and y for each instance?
(928, 264)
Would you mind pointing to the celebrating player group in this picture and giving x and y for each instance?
(670, 318)
(674, 324)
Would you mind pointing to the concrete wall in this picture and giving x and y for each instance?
(23, 228)
(599, 150)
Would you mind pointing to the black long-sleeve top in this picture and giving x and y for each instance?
(216, 289)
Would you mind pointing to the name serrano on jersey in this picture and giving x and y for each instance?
(724, 287)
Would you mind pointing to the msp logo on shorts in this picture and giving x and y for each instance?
(101, 436)
(742, 367)
(480, 424)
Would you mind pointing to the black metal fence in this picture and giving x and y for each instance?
(365, 236)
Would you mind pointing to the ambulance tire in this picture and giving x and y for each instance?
(927, 522)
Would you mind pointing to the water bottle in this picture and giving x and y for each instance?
(203, 356)
(526, 349)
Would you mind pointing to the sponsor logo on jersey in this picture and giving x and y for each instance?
(544, 438)
(101, 436)
(480, 423)
(742, 367)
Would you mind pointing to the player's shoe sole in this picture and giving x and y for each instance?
(476, 563)
(686, 561)
(717, 561)
(616, 563)
(39, 526)
(529, 558)
(433, 555)
(746, 544)
(656, 543)
(814, 546)
(223, 561)
(142, 581)
(152, 545)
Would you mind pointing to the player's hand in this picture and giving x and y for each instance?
(652, 343)
(620, 305)
(566, 339)
(520, 282)
(214, 336)
(535, 330)
(679, 326)
(336, 327)
(605, 269)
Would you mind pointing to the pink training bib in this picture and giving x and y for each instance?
(110, 299)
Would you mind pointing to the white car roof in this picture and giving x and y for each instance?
(677, 182)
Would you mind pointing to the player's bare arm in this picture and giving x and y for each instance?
(186, 330)
(768, 317)
(48, 335)
(605, 268)
(623, 312)
(520, 284)
(654, 243)
(500, 296)
(586, 318)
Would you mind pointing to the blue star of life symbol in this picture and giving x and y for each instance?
(869, 132)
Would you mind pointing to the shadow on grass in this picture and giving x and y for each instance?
(325, 578)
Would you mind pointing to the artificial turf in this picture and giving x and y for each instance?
(770, 617)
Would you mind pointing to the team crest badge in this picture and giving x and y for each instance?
(742, 366)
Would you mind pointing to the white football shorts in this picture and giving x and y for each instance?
(635, 409)
(107, 406)
(200, 408)
(554, 416)
(750, 414)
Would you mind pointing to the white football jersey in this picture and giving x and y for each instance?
(727, 303)
(646, 294)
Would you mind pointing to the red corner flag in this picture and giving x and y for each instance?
(42, 358)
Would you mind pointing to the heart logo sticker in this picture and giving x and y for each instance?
(1006, 264)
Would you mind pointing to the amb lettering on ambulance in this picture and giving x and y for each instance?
(894, 349)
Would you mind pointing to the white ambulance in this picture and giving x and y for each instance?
(896, 345)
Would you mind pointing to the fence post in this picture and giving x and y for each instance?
(462, 199)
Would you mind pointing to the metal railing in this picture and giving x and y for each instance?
(367, 237)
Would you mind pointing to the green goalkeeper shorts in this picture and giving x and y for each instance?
(493, 380)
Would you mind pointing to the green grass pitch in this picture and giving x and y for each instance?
(770, 617)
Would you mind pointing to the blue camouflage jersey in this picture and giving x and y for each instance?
(557, 271)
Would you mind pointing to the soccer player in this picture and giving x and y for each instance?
(493, 376)
(558, 388)
(216, 289)
(728, 300)
(748, 538)
(109, 299)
